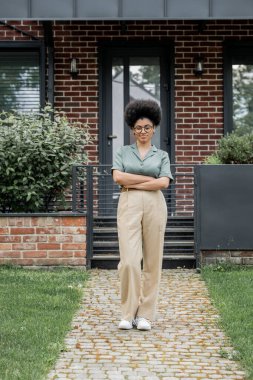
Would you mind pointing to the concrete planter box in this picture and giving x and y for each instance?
(224, 213)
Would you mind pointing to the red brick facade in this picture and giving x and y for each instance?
(198, 108)
(198, 101)
(43, 241)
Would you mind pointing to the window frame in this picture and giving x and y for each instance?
(38, 46)
(234, 53)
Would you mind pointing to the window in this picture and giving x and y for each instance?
(238, 87)
(21, 77)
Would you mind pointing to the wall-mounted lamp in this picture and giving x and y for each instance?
(198, 71)
(73, 68)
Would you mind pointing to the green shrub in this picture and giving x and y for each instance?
(213, 160)
(233, 149)
(37, 152)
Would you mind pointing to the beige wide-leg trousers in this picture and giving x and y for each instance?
(142, 217)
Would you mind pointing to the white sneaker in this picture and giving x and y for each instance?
(125, 325)
(142, 324)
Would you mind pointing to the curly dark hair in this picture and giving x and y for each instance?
(140, 108)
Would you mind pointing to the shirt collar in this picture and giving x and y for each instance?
(151, 152)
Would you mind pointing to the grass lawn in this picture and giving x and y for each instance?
(36, 308)
(231, 289)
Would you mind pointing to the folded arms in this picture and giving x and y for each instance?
(140, 182)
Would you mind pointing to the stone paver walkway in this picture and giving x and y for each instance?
(184, 343)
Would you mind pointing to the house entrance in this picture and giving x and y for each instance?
(129, 72)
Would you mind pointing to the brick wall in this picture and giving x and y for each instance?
(198, 101)
(43, 241)
(233, 257)
(35, 28)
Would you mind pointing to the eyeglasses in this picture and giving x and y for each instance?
(146, 128)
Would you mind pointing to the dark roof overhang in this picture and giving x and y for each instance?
(125, 9)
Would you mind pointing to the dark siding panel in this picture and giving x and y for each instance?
(97, 9)
(232, 8)
(52, 9)
(193, 9)
(126, 9)
(14, 9)
(143, 8)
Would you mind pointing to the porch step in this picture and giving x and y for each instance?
(111, 256)
(178, 245)
(111, 221)
(100, 231)
(110, 261)
(176, 234)
(114, 244)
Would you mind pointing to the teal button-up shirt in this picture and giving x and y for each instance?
(155, 164)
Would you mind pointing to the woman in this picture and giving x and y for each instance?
(142, 171)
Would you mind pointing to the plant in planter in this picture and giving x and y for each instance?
(37, 152)
(233, 149)
(223, 202)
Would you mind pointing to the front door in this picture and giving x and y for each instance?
(129, 72)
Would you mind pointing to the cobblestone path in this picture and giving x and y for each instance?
(184, 343)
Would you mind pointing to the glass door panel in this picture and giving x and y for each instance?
(132, 78)
(243, 98)
(117, 135)
(144, 83)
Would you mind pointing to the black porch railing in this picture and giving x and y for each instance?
(95, 193)
(93, 189)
